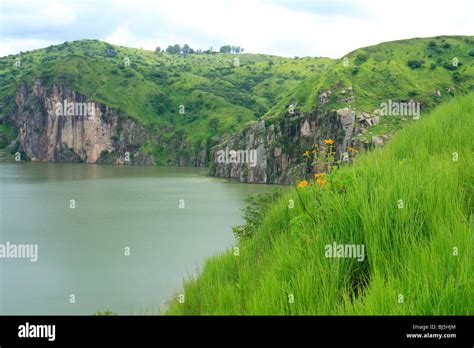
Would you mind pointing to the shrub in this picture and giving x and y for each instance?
(254, 212)
(415, 64)
(457, 77)
(360, 59)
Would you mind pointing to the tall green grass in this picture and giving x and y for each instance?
(411, 265)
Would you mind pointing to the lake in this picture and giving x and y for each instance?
(120, 238)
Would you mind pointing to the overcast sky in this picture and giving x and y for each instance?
(281, 27)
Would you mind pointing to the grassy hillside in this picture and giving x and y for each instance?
(413, 69)
(399, 70)
(410, 204)
(218, 95)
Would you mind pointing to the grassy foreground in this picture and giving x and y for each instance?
(410, 204)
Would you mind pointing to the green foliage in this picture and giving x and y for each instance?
(422, 251)
(360, 59)
(385, 75)
(153, 86)
(254, 212)
(7, 134)
(210, 86)
(415, 64)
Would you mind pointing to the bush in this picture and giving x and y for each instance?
(457, 77)
(360, 59)
(254, 212)
(415, 64)
(450, 66)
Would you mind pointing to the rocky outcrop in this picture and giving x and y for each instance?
(57, 124)
(51, 127)
(279, 144)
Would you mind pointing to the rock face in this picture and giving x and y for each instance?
(51, 128)
(92, 133)
(280, 143)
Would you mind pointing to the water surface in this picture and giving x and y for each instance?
(81, 251)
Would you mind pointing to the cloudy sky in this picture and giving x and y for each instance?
(290, 28)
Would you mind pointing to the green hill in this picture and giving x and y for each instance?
(399, 70)
(409, 204)
(219, 92)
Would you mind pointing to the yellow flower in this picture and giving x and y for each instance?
(302, 184)
(306, 154)
(321, 182)
(319, 175)
(328, 141)
(313, 152)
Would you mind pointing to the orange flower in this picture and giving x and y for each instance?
(306, 154)
(319, 175)
(328, 141)
(321, 182)
(302, 184)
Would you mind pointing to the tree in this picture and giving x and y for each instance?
(157, 50)
(231, 49)
(187, 50)
(225, 49)
(176, 49)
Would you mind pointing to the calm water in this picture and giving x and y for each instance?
(81, 251)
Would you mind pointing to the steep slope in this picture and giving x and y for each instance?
(183, 101)
(343, 102)
(410, 205)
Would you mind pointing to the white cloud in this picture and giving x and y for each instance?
(263, 26)
(16, 46)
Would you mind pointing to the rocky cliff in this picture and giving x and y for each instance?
(280, 143)
(57, 124)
